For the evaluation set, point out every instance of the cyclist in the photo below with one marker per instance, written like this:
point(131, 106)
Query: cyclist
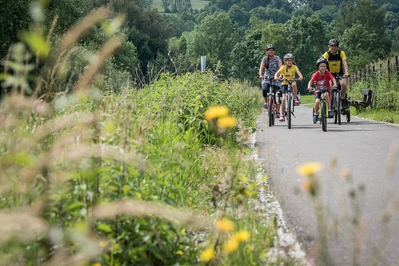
point(338, 65)
point(269, 65)
point(287, 71)
point(323, 80)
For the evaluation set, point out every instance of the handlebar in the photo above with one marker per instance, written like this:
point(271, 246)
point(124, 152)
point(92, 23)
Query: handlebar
point(325, 89)
point(339, 77)
point(290, 81)
point(266, 78)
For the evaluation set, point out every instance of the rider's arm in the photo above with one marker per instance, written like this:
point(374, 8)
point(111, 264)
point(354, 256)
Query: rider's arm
point(334, 81)
point(310, 85)
point(299, 74)
point(277, 75)
point(345, 63)
point(261, 68)
point(346, 69)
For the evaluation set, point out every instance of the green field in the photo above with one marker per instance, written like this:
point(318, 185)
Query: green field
point(197, 4)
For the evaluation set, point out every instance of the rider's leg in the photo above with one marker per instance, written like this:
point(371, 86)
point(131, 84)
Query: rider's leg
point(328, 100)
point(282, 106)
point(295, 92)
point(265, 90)
point(343, 88)
point(316, 109)
point(316, 105)
point(343, 93)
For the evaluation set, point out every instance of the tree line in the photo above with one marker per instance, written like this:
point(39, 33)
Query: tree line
point(232, 34)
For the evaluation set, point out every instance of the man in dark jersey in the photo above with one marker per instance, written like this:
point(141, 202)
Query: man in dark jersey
point(338, 65)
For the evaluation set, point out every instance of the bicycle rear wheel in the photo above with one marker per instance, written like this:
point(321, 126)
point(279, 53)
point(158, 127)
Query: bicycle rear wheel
point(270, 110)
point(289, 106)
point(338, 103)
point(323, 116)
point(348, 116)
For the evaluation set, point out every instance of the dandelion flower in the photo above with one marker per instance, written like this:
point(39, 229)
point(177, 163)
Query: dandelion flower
point(231, 245)
point(216, 112)
point(207, 254)
point(225, 225)
point(344, 173)
point(308, 169)
point(306, 185)
point(227, 121)
point(242, 235)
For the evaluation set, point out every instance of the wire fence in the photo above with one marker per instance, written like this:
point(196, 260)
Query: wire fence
point(388, 67)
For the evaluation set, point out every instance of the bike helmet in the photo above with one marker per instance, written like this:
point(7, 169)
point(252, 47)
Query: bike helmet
point(270, 46)
point(333, 42)
point(321, 60)
point(289, 56)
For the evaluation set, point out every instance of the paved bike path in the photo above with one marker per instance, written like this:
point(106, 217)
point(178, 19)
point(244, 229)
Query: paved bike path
point(361, 148)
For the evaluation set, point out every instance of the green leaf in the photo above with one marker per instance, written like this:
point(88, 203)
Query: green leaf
point(37, 43)
point(104, 227)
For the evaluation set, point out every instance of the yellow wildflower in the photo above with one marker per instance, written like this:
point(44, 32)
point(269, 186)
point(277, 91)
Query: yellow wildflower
point(308, 169)
point(96, 264)
point(231, 245)
point(306, 185)
point(215, 112)
point(207, 254)
point(242, 235)
point(344, 173)
point(227, 121)
point(225, 225)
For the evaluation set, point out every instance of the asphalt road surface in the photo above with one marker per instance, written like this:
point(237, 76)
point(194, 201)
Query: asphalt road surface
point(359, 186)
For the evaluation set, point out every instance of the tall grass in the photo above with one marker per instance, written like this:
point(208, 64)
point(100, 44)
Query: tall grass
point(135, 178)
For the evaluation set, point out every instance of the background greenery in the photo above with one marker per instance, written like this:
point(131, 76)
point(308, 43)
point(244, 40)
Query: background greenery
point(115, 120)
point(232, 34)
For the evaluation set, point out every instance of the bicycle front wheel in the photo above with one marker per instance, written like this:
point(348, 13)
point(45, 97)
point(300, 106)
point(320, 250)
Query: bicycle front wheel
point(289, 106)
point(323, 116)
point(270, 110)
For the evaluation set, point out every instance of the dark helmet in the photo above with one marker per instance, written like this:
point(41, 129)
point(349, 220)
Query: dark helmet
point(289, 56)
point(321, 60)
point(270, 46)
point(333, 42)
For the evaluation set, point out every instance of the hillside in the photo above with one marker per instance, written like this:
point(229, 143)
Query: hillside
point(197, 4)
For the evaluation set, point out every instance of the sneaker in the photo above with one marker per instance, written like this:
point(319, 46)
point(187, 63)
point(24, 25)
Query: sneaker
point(345, 104)
point(281, 119)
point(315, 118)
point(330, 114)
point(277, 115)
point(297, 102)
point(265, 106)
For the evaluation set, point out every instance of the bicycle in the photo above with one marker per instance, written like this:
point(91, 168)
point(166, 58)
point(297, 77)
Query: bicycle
point(336, 103)
point(289, 101)
point(322, 113)
point(273, 99)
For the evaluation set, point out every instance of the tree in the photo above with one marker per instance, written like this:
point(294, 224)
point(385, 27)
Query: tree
point(363, 12)
point(68, 12)
point(370, 17)
point(215, 38)
point(267, 13)
point(317, 4)
point(306, 38)
point(14, 17)
point(328, 13)
point(238, 15)
point(357, 42)
point(246, 56)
